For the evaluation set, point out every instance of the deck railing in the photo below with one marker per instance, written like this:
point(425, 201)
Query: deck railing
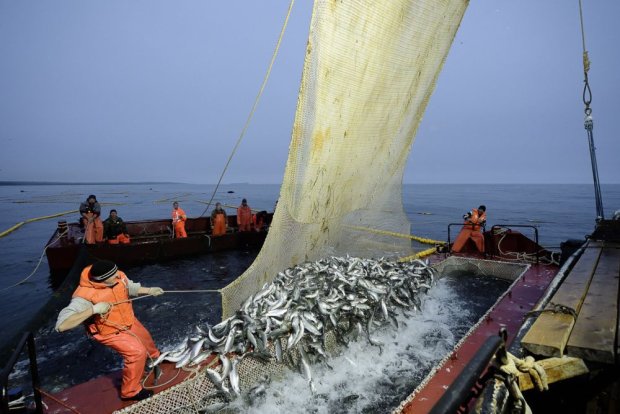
point(26, 341)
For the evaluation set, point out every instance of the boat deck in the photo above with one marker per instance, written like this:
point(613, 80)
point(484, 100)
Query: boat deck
point(581, 319)
point(80, 397)
point(508, 313)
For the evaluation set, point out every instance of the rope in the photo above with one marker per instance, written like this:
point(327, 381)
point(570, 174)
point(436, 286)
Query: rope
point(589, 123)
point(554, 308)
point(38, 263)
point(587, 93)
point(528, 365)
point(418, 255)
point(256, 100)
point(21, 223)
point(521, 256)
point(170, 291)
point(401, 235)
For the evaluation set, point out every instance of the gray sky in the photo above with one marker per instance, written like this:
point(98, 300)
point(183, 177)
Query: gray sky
point(153, 90)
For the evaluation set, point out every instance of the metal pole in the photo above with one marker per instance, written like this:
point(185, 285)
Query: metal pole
point(589, 126)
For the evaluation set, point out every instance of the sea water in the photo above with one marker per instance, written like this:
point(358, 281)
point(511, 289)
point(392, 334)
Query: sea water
point(558, 212)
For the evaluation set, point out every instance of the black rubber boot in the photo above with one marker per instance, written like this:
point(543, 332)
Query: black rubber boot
point(142, 395)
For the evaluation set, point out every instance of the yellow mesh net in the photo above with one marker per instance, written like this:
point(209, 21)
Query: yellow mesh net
point(369, 71)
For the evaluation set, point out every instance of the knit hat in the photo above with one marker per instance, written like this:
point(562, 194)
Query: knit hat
point(102, 270)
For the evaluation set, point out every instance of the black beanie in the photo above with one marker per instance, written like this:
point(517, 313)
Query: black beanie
point(102, 270)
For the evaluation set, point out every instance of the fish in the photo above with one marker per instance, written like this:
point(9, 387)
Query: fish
point(348, 296)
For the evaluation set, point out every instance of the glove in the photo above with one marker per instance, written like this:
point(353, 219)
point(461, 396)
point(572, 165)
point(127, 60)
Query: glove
point(156, 291)
point(101, 308)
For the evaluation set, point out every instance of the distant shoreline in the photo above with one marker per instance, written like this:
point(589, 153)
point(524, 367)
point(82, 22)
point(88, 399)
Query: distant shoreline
point(13, 183)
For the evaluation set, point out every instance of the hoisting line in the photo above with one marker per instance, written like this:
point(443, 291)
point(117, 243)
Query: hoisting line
point(414, 256)
point(256, 100)
point(170, 291)
point(401, 235)
point(589, 123)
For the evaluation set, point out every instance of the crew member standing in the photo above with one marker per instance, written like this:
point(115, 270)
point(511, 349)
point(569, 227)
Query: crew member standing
point(115, 230)
point(219, 221)
point(244, 216)
point(471, 230)
point(90, 210)
point(178, 221)
point(101, 301)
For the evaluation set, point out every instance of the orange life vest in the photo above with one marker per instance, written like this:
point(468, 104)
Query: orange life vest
point(244, 217)
point(120, 317)
point(477, 217)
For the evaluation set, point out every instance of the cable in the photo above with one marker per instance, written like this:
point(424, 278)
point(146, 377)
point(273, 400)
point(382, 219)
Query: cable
point(256, 100)
point(521, 256)
point(38, 264)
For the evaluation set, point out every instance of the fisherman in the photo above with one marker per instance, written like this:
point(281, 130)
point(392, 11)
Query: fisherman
point(244, 216)
point(219, 221)
point(101, 302)
point(178, 221)
point(93, 227)
point(471, 230)
point(258, 220)
point(115, 230)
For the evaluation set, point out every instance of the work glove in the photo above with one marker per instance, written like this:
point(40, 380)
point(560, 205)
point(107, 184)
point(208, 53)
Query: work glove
point(102, 308)
point(156, 291)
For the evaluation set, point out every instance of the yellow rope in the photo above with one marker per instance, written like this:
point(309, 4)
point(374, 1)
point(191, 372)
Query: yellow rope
point(21, 223)
point(256, 100)
point(418, 255)
point(401, 235)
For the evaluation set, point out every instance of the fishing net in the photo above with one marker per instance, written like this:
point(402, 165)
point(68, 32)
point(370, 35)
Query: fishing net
point(369, 71)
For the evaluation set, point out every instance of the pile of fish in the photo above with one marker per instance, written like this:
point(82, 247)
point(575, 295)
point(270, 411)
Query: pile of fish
point(347, 297)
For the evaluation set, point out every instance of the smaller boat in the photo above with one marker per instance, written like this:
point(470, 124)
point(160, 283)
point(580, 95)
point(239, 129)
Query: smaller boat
point(151, 241)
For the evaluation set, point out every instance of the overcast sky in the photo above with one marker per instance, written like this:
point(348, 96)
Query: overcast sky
point(153, 90)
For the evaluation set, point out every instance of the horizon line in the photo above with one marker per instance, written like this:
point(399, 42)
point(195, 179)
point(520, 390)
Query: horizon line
point(34, 182)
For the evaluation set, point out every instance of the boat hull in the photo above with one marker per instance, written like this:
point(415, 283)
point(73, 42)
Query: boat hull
point(151, 242)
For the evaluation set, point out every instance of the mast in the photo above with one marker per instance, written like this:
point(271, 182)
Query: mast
point(589, 123)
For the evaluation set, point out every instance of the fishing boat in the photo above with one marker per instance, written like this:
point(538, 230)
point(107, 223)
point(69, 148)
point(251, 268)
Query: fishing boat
point(340, 203)
point(152, 241)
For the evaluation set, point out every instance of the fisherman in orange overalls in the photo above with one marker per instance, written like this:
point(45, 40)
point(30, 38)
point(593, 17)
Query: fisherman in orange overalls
point(219, 221)
point(244, 216)
point(90, 210)
point(101, 301)
point(178, 221)
point(471, 230)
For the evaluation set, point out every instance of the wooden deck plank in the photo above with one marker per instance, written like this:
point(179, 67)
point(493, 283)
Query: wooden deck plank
point(594, 334)
point(550, 333)
point(557, 369)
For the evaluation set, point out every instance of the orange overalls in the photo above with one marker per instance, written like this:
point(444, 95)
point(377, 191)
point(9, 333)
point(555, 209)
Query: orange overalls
point(257, 221)
point(218, 222)
point(93, 228)
point(471, 231)
point(119, 329)
point(178, 221)
point(244, 218)
point(120, 239)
